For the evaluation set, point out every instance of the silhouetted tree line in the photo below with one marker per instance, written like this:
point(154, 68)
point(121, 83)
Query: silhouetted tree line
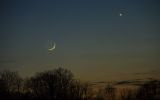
point(59, 84)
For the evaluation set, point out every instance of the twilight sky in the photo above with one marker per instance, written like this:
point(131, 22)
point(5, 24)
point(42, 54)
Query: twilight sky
point(92, 40)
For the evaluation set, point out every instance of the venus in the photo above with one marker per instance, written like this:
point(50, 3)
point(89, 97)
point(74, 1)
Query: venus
point(120, 14)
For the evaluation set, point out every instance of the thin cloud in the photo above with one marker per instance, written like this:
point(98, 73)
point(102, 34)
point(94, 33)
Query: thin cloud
point(100, 82)
point(137, 82)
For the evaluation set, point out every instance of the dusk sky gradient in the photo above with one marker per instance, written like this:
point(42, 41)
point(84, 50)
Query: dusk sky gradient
point(92, 40)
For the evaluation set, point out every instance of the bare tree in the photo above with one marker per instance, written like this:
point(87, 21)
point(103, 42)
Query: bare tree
point(12, 81)
point(52, 84)
point(79, 90)
point(110, 92)
point(127, 94)
point(149, 91)
point(3, 89)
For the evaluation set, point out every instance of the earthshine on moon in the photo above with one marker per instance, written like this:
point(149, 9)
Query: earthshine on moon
point(53, 47)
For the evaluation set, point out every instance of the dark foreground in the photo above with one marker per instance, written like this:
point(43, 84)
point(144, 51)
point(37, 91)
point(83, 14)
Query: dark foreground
point(59, 84)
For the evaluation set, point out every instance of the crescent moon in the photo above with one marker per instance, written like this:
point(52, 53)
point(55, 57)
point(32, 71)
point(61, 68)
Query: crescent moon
point(54, 46)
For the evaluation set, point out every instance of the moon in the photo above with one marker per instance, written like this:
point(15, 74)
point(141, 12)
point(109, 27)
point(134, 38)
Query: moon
point(53, 47)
